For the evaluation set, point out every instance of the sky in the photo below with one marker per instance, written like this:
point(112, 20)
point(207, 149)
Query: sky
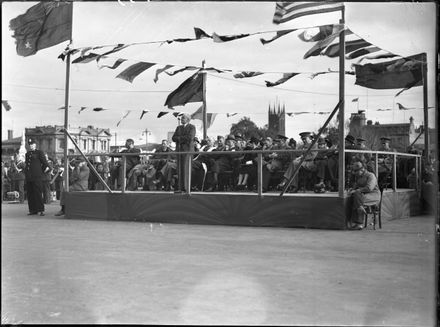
point(34, 85)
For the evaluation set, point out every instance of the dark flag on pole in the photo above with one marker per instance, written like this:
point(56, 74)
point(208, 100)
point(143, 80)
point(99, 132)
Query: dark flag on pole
point(6, 105)
point(42, 26)
point(191, 90)
point(400, 73)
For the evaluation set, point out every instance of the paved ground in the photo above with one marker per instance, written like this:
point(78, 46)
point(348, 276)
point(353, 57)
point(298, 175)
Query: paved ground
point(57, 271)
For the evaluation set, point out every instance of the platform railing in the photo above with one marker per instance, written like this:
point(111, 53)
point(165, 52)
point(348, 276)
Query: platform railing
point(189, 155)
point(394, 171)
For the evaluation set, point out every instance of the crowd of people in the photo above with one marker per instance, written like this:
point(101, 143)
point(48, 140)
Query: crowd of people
point(226, 163)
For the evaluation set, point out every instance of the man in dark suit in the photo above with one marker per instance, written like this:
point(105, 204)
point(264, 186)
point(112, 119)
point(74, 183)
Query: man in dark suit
point(35, 167)
point(184, 138)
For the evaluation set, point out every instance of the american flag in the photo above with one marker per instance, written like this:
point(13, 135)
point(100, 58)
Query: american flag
point(285, 11)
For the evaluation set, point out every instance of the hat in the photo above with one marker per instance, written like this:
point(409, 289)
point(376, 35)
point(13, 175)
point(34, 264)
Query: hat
point(383, 138)
point(305, 134)
point(360, 139)
point(321, 140)
point(350, 138)
point(204, 142)
point(230, 137)
point(357, 166)
point(129, 141)
point(220, 137)
point(254, 140)
point(282, 137)
point(238, 136)
point(196, 139)
point(268, 138)
point(328, 142)
point(32, 141)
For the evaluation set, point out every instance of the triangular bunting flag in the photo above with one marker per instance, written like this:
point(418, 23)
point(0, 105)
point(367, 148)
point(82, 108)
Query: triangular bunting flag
point(143, 113)
point(247, 74)
point(161, 70)
point(123, 117)
point(162, 113)
point(286, 77)
point(130, 73)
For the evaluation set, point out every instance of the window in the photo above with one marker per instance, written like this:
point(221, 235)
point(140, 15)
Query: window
point(61, 143)
point(93, 145)
point(85, 144)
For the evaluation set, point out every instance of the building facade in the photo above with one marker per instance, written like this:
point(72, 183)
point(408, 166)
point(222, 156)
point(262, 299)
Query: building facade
point(50, 139)
point(10, 146)
point(402, 135)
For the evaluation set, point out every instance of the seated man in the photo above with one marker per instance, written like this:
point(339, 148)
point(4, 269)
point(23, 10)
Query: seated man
point(131, 162)
point(308, 164)
point(154, 177)
point(322, 167)
point(275, 161)
point(78, 180)
point(365, 158)
point(168, 172)
point(140, 173)
point(219, 163)
point(365, 189)
point(248, 165)
point(94, 182)
point(385, 161)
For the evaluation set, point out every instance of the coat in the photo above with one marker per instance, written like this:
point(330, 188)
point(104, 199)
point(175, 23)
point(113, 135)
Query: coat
point(184, 137)
point(35, 165)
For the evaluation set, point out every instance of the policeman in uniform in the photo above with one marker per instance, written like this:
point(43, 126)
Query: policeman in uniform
point(35, 167)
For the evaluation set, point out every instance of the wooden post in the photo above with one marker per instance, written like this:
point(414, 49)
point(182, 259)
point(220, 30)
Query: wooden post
point(124, 168)
point(66, 123)
point(425, 105)
point(204, 109)
point(394, 172)
point(188, 158)
point(341, 171)
point(260, 174)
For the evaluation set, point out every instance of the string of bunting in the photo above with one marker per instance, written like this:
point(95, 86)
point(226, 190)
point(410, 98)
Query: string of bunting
point(325, 36)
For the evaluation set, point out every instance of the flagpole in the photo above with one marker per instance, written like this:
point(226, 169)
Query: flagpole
point(66, 121)
point(204, 111)
point(425, 104)
point(341, 172)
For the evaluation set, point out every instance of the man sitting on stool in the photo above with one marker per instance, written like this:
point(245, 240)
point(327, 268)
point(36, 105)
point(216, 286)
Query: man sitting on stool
point(365, 190)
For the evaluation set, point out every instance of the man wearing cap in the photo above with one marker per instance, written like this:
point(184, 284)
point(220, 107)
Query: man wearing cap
point(365, 158)
point(365, 189)
point(221, 162)
point(131, 162)
point(184, 138)
point(385, 161)
point(248, 165)
point(321, 162)
point(35, 167)
point(308, 163)
point(276, 161)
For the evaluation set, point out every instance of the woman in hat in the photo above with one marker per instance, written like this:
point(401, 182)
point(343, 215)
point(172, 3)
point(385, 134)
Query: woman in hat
point(36, 166)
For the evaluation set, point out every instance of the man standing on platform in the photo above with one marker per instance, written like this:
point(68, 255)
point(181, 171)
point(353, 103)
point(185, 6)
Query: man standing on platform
point(36, 166)
point(184, 138)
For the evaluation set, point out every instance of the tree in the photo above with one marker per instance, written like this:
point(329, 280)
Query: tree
point(247, 128)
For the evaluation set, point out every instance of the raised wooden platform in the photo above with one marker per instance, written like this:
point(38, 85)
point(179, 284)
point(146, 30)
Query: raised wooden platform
point(306, 210)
